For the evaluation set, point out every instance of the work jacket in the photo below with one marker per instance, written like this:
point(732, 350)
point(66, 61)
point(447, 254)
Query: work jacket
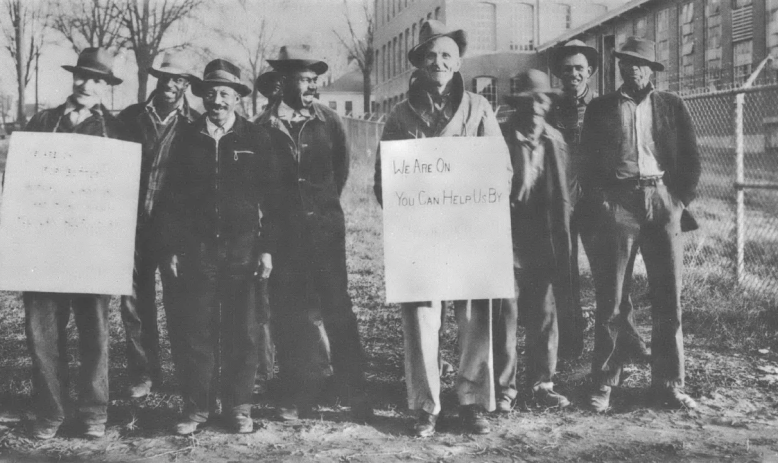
point(100, 123)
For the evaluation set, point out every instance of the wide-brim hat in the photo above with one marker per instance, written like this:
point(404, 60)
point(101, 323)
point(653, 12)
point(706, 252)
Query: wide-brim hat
point(220, 72)
point(172, 64)
point(571, 48)
point(530, 83)
point(96, 62)
point(431, 30)
point(266, 82)
point(641, 49)
point(292, 59)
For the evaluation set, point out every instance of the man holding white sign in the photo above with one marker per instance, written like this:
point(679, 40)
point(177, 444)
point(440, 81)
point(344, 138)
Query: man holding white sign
point(47, 313)
point(439, 106)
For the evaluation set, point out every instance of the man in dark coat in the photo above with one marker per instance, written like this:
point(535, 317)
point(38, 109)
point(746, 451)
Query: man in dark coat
point(224, 204)
point(154, 124)
point(312, 251)
point(540, 208)
point(47, 314)
point(642, 172)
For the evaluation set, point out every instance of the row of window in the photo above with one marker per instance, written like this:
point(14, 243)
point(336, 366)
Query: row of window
point(349, 106)
point(388, 9)
point(391, 60)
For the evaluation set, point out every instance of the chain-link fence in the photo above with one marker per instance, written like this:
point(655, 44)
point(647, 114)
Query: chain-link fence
point(737, 206)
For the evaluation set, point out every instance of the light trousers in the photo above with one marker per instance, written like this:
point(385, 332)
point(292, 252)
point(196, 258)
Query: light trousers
point(475, 376)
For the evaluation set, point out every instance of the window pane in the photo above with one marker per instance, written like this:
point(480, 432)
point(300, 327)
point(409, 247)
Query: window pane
point(523, 23)
point(486, 86)
point(485, 27)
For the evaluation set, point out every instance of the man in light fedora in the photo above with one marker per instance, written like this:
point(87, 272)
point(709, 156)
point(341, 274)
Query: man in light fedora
point(642, 172)
point(439, 106)
point(540, 207)
point(224, 197)
point(574, 63)
point(154, 124)
point(47, 314)
point(312, 250)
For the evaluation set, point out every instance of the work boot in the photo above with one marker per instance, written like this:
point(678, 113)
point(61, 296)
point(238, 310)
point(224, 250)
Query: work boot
point(425, 424)
point(474, 420)
point(242, 423)
point(599, 399)
point(94, 431)
point(187, 427)
point(43, 430)
point(504, 404)
point(672, 397)
point(549, 398)
point(139, 389)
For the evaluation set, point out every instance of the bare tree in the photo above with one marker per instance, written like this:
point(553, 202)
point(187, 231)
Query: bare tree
point(24, 34)
point(146, 24)
point(360, 46)
point(89, 23)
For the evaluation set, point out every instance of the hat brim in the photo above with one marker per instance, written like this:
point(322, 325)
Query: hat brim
point(591, 54)
point(199, 86)
point(292, 65)
point(158, 73)
point(108, 77)
point(652, 64)
point(416, 58)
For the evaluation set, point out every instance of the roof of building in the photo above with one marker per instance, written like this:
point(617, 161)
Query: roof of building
point(351, 82)
point(615, 13)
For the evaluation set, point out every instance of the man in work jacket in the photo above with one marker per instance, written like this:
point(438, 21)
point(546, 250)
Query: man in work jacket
point(47, 314)
point(312, 251)
point(154, 124)
point(439, 106)
point(224, 203)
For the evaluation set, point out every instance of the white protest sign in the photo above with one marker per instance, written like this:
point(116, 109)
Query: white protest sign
point(447, 228)
point(68, 214)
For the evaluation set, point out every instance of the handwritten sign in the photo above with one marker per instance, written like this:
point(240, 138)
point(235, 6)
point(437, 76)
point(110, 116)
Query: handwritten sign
point(68, 214)
point(447, 229)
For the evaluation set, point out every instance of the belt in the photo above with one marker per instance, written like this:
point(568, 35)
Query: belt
point(637, 183)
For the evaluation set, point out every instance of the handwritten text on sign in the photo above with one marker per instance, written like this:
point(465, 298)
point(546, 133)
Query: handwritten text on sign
point(447, 230)
point(68, 214)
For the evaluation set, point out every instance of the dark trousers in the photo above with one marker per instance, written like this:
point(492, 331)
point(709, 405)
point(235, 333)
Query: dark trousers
point(139, 314)
point(307, 268)
point(46, 320)
point(221, 315)
point(630, 218)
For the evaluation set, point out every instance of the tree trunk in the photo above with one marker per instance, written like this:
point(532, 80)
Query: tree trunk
point(367, 91)
point(254, 100)
point(143, 75)
point(21, 59)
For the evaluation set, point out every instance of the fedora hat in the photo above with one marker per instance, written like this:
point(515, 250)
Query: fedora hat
point(431, 30)
point(571, 48)
point(297, 59)
point(97, 62)
point(220, 72)
point(172, 64)
point(641, 49)
point(530, 83)
point(265, 83)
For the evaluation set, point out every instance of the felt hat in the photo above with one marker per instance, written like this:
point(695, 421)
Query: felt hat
point(97, 62)
point(172, 64)
point(571, 48)
point(530, 83)
point(265, 83)
point(292, 59)
point(220, 72)
point(431, 30)
point(641, 49)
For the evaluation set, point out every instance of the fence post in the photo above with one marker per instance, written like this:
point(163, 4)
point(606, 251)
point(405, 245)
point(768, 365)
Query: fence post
point(739, 180)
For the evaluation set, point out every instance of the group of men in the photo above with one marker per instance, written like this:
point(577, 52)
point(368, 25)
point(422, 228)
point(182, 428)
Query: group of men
point(231, 210)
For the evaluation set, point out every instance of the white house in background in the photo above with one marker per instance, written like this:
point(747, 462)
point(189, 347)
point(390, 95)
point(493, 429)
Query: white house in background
point(345, 95)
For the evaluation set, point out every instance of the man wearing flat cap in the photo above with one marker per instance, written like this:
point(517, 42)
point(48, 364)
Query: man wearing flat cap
point(154, 124)
point(439, 106)
point(642, 172)
point(540, 208)
point(224, 202)
point(311, 254)
point(47, 314)
point(574, 63)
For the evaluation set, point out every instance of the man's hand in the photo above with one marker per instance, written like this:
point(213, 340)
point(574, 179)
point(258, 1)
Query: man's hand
point(174, 265)
point(265, 266)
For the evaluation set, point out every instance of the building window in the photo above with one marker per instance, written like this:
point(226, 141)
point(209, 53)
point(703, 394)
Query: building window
point(383, 63)
point(349, 107)
point(333, 105)
point(437, 13)
point(514, 85)
point(486, 86)
point(686, 45)
point(558, 20)
point(400, 60)
point(712, 42)
point(485, 27)
point(742, 58)
point(740, 4)
point(742, 21)
point(406, 63)
point(663, 47)
point(772, 28)
point(641, 27)
point(413, 35)
point(523, 32)
point(376, 66)
point(393, 71)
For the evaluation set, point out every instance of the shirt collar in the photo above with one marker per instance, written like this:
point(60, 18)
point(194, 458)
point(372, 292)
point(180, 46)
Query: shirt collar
point(289, 114)
point(641, 95)
point(521, 138)
point(179, 109)
point(71, 106)
point(212, 127)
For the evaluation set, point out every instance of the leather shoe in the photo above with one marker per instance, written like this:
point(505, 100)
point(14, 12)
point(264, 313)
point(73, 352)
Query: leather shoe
point(94, 431)
point(504, 404)
point(600, 398)
point(672, 397)
point(474, 420)
point(287, 413)
point(242, 423)
point(550, 398)
point(187, 427)
point(43, 430)
point(140, 389)
point(425, 424)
